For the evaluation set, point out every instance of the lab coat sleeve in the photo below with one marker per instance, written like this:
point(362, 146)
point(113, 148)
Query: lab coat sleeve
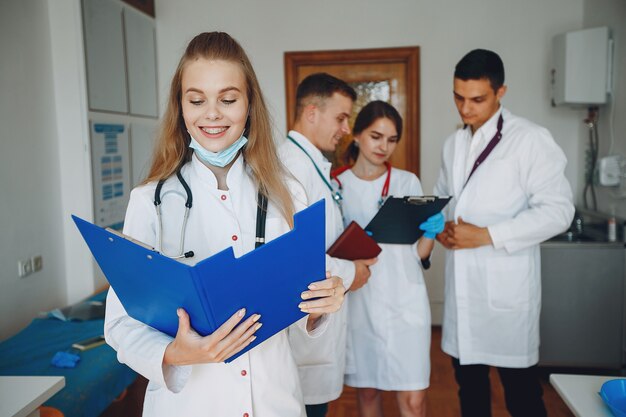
point(442, 186)
point(138, 345)
point(550, 209)
point(320, 326)
point(341, 268)
point(141, 347)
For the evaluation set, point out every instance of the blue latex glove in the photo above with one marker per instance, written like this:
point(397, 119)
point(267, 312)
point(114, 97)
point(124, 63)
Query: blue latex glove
point(433, 226)
point(65, 360)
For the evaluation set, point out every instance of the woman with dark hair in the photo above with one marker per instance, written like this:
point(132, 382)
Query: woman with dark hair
point(389, 318)
point(216, 138)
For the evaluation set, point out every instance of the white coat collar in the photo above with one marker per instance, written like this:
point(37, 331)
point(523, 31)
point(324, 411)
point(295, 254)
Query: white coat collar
point(489, 128)
point(205, 175)
point(317, 155)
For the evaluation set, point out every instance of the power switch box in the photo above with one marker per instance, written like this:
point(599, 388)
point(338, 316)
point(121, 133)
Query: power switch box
point(24, 268)
point(37, 262)
point(610, 170)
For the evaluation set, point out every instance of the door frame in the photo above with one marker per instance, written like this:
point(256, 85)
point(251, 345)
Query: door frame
point(409, 56)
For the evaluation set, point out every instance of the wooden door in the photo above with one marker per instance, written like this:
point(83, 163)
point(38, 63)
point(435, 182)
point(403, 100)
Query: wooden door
point(389, 74)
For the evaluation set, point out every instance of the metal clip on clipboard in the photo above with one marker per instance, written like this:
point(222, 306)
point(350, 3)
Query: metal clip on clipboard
point(421, 200)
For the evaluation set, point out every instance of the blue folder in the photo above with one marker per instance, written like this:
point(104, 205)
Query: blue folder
point(267, 280)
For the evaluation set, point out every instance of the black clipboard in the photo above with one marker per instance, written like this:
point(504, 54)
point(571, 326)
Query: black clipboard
point(399, 218)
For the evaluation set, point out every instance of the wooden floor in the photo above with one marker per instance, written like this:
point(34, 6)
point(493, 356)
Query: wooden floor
point(442, 394)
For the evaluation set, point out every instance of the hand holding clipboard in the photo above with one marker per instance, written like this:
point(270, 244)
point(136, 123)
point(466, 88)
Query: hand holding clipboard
point(398, 219)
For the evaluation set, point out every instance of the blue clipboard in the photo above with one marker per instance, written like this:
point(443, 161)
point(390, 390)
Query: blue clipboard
point(267, 280)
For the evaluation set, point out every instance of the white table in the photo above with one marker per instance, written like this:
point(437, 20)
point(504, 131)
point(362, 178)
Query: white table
point(580, 393)
point(21, 396)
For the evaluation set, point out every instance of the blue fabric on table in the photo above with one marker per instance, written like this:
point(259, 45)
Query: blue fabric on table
point(91, 386)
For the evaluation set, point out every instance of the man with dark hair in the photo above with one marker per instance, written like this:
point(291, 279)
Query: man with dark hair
point(323, 107)
point(506, 175)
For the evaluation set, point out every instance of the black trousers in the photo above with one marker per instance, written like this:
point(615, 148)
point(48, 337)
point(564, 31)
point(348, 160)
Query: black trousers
point(522, 390)
point(316, 410)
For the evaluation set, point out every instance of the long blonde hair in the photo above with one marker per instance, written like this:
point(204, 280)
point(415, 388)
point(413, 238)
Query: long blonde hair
point(172, 150)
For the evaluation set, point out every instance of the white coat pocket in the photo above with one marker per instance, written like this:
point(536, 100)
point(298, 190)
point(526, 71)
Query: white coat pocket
point(508, 282)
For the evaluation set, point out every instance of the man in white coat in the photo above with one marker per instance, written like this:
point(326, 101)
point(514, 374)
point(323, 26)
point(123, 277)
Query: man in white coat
point(323, 107)
point(506, 176)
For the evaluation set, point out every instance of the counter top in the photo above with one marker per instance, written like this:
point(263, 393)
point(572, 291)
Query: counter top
point(22, 395)
point(582, 244)
point(580, 393)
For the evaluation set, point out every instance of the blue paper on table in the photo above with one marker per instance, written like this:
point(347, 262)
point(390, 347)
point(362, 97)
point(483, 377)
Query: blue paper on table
point(613, 392)
point(267, 280)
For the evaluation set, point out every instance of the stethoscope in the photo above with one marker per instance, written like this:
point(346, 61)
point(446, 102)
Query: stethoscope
point(385, 191)
point(261, 215)
point(337, 197)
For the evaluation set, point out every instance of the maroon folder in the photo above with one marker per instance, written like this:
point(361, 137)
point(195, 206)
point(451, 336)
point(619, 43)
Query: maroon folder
point(354, 243)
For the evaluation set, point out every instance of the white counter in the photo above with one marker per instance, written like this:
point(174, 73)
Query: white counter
point(21, 396)
point(580, 393)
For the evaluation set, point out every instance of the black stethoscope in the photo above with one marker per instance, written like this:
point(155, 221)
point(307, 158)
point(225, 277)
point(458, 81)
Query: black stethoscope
point(261, 215)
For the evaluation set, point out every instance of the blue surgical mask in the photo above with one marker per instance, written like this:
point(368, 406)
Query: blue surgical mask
point(221, 158)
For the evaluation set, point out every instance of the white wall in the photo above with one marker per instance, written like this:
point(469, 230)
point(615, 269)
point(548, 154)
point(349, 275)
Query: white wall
point(44, 166)
point(30, 207)
point(520, 31)
point(611, 13)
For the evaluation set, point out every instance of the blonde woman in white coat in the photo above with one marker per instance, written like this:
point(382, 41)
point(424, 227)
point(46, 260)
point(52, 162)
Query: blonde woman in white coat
point(389, 317)
point(216, 135)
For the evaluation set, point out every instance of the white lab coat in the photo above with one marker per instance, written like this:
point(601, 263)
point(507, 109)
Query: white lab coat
point(321, 362)
point(389, 317)
point(269, 386)
point(493, 293)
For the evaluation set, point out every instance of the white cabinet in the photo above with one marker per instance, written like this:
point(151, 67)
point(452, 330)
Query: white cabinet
point(141, 63)
point(120, 52)
point(104, 50)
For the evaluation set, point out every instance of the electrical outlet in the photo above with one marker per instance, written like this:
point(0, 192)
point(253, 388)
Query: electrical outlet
point(37, 262)
point(24, 268)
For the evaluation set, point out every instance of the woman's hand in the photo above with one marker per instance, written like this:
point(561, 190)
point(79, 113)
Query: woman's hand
point(190, 348)
point(433, 226)
point(325, 297)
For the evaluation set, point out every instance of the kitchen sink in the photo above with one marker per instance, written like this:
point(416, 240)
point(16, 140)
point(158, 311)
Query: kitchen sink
point(575, 238)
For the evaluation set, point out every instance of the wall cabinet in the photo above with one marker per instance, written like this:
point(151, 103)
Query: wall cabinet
point(120, 51)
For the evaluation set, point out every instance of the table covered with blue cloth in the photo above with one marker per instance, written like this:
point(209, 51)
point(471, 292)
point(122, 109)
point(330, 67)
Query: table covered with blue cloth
point(91, 386)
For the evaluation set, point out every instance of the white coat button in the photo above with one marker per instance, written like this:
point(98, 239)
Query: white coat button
point(223, 197)
point(234, 237)
point(244, 373)
point(246, 415)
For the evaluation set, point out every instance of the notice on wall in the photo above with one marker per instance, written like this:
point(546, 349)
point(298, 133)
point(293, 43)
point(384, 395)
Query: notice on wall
point(110, 162)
